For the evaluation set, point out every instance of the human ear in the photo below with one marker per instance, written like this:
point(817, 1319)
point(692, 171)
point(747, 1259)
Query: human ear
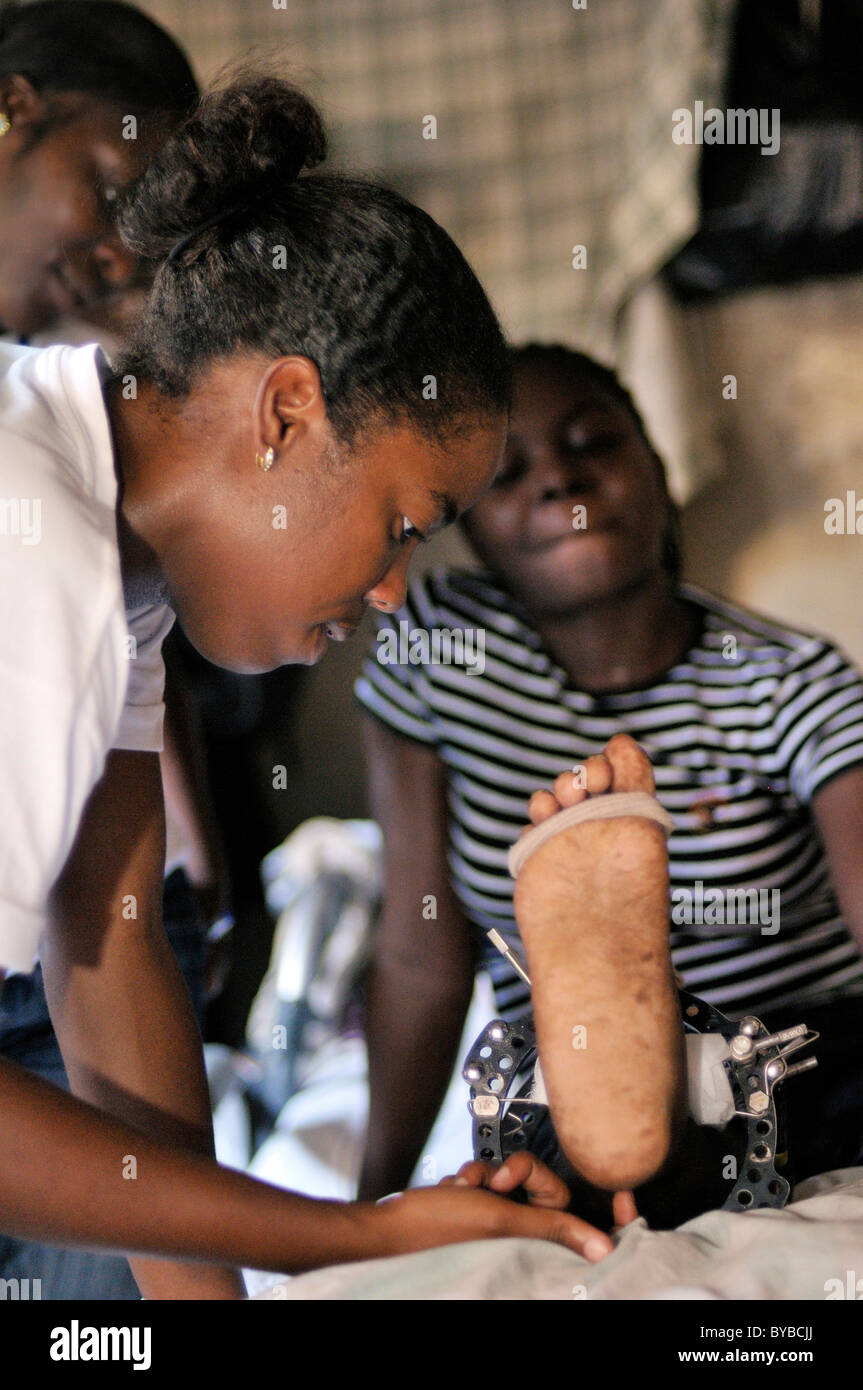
point(289, 405)
point(20, 102)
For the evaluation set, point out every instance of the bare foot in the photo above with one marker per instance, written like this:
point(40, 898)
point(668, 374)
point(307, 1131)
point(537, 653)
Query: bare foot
point(592, 909)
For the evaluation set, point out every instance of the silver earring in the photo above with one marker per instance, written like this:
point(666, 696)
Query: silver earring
point(5, 124)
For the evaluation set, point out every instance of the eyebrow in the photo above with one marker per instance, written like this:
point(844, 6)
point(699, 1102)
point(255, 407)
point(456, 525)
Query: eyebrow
point(448, 509)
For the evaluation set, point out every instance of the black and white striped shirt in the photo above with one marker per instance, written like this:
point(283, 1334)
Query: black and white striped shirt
point(741, 733)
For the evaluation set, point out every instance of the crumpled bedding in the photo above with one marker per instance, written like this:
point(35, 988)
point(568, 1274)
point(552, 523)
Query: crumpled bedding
point(812, 1250)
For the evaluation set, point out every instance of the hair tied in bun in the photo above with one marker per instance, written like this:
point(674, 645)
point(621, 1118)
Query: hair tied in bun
point(222, 216)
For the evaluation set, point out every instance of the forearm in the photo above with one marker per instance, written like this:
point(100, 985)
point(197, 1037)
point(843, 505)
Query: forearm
point(135, 1053)
point(67, 1177)
point(413, 1027)
point(118, 1004)
point(128, 1036)
point(838, 809)
point(421, 980)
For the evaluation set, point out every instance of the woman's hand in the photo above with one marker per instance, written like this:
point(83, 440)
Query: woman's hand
point(472, 1205)
point(543, 1187)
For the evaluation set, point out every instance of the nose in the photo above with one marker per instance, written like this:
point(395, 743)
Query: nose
point(117, 266)
point(390, 592)
point(101, 265)
point(558, 477)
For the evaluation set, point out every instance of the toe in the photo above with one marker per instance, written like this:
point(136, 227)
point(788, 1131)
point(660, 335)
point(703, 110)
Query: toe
point(589, 778)
point(571, 787)
point(541, 806)
point(631, 770)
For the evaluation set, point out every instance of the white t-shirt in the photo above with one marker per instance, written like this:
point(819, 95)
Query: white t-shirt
point(78, 674)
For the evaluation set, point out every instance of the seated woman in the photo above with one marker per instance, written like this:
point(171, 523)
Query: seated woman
point(755, 733)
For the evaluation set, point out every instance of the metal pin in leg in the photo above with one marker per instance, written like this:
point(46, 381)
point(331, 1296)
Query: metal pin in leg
point(498, 942)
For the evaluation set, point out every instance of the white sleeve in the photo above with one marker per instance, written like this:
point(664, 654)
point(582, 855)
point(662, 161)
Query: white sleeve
point(60, 691)
point(143, 714)
point(52, 748)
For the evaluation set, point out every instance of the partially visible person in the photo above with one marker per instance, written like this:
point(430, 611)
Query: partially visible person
point(754, 730)
point(269, 480)
point(88, 90)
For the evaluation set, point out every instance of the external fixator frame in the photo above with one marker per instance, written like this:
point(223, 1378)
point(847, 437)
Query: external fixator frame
point(499, 1070)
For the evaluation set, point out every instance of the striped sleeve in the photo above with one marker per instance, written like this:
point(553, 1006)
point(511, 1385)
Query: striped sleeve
point(389, 684)
point(820, 715)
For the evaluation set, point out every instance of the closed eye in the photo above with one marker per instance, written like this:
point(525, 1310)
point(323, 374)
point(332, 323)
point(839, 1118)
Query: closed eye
point(593, 443)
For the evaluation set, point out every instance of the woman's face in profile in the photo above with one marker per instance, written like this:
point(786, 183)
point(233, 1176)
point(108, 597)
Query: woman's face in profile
point(256, 586)
point(59, 252)
point(578, 509)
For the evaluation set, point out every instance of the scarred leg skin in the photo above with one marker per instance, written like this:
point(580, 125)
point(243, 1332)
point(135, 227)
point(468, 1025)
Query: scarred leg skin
point(592, 908)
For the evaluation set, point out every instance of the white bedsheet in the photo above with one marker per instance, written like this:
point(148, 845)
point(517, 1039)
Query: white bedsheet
point(808, 1251)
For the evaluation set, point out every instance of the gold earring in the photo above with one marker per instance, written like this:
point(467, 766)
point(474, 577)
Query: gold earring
point(266, 461)
point(5, 124)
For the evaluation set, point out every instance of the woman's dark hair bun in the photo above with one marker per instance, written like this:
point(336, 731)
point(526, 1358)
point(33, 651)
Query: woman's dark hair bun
point(246, 138)
point(250, 258)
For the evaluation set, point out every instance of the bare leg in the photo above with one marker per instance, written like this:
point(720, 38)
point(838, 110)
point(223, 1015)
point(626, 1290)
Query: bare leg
point(592, 909)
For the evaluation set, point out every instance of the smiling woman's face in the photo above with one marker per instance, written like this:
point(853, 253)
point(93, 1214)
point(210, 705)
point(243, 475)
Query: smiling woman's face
point(578, 511)
point(59, 174)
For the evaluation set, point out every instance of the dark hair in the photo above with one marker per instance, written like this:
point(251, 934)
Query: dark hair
point(555, 355)
point(344, 272)
point(109, 50)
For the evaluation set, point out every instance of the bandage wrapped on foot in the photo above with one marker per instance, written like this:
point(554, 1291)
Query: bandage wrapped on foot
point(607, 807)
